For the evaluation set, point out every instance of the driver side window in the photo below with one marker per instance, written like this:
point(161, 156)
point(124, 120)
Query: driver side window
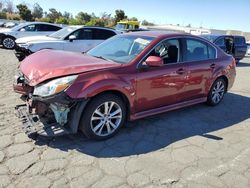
point(29, 28)
point(168, 50)
point(83, 34)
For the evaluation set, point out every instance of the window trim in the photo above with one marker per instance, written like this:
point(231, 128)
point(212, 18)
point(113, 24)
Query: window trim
point(203, 42)
point(140, 64)
point(181, 39)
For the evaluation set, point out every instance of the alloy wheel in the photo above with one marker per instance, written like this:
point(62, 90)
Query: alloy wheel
point(218, 92)
point(106, 118)
point(8, 43)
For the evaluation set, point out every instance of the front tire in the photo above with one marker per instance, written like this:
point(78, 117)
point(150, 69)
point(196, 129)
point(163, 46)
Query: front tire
point(8, 42)
point(216, 92)
point(103, 117)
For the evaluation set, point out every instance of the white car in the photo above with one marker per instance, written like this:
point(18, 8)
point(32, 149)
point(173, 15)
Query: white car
point(248, 49)
point(72, 38)
point(9, 35)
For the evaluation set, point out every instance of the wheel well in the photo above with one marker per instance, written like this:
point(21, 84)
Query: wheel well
point(225, 79)
point(120, 95)
point(8, 36)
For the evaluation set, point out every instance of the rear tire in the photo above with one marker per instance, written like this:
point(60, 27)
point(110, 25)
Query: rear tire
point(8, 42)
point(103, 117)
point(216, 92)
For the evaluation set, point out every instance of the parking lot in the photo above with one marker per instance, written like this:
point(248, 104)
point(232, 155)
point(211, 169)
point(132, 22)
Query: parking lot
point(198, 146)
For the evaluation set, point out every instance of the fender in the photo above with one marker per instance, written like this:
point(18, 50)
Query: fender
point(227, 72)
point(90, 85)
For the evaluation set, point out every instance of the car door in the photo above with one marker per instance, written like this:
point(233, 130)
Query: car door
point(200, 59)
point(46, 29)
point(28, 30)
point(82, 42)
point(220, 41)
point(161, 86)
point(240, 47)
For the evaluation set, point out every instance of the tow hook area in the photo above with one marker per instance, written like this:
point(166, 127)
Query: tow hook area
point(61, 113)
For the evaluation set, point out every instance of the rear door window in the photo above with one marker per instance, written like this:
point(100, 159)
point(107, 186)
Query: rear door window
point(198, 50)
point(83, 34)
point(46, 27)
point(102, 34)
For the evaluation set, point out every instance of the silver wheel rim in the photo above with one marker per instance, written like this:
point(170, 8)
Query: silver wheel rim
point(218, 92)
point(106, 118)
point(8, 43)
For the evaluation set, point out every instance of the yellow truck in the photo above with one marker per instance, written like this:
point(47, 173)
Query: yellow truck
point(127, 25)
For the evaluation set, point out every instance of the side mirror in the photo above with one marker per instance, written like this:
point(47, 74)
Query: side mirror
point(72, 37)
point(22, 30)
point(154, 61)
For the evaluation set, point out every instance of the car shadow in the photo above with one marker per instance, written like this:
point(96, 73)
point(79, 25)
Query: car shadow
point(154, 133)
point(243, 64)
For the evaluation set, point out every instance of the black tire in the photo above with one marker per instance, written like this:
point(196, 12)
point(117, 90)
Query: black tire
point(86, 125)
point(211, 95)
point(6, 42)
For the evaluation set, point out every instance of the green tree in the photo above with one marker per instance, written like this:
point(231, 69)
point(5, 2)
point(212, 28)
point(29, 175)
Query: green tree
point(43, 19)
point(24, 12)
point(133, 19)
point(96, 22)
point(3, 15)
point(62, 20)
point(53, 15)
point(37, 11)
point(75, 22)
point(67, 15)
point(146, 23)
point(83, 16)
point(120, 15)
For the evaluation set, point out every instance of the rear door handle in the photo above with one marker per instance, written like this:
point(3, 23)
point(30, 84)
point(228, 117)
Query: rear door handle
point(180, 71)
point(212, 66)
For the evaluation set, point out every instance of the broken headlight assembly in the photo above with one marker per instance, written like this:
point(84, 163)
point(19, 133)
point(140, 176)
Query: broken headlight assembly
point(54, 86)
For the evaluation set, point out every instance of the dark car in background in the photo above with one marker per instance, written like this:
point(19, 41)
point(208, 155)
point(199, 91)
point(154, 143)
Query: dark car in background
point(234, 45)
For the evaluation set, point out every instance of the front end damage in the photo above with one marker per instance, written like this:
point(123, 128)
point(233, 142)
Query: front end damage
point(48, 116)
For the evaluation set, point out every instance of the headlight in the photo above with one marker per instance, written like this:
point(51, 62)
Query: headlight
point(54, 86)
point(26, 46)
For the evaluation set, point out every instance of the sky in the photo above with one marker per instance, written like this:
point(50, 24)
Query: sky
point(211, 14)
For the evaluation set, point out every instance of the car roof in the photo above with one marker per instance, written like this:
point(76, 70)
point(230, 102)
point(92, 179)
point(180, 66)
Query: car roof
point(158, 34)
point(221, 35)
point(94, 27)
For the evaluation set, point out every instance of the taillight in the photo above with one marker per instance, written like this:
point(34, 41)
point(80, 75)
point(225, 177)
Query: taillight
point(234, 62)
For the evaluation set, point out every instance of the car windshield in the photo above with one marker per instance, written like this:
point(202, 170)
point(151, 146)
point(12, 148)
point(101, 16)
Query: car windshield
point(122, 48)
point(120, 26)
point(62, 33)
point(210, 38)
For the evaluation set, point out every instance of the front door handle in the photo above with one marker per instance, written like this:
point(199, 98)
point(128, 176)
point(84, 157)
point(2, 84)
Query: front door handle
point(212, 66)
point(180, 71)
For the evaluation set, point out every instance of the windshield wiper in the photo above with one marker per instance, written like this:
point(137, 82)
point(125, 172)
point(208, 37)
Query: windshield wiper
point(101, 57)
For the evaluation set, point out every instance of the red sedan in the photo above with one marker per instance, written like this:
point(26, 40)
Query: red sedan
point(127, 77)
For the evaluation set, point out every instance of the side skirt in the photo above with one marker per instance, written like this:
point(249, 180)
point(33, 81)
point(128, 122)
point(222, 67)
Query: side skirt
point(166, 108)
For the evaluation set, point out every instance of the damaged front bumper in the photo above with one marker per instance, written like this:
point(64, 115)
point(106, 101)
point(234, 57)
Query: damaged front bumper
point(21, 52)
point(51, 116)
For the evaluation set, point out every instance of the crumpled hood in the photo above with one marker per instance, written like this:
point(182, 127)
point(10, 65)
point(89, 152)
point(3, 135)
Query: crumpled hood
point(47, 64)
point(35, 39)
